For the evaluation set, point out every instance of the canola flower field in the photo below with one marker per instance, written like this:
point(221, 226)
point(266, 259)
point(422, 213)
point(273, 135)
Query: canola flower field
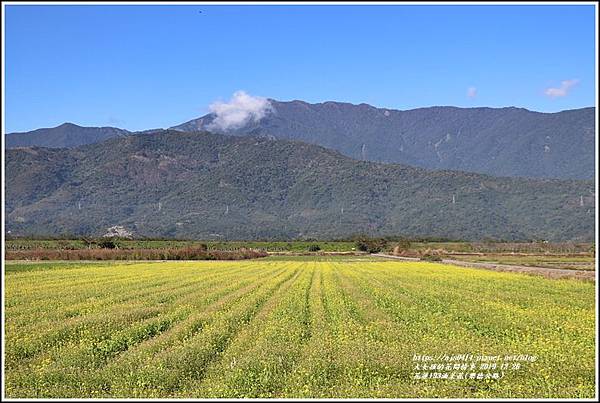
point(285, 327)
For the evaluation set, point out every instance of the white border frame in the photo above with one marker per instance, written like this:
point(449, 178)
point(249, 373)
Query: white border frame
point(222, 3)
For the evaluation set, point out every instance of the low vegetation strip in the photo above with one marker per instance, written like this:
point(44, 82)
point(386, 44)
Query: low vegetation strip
point(572, 262)
point(288, 327)
point(186, 253)
point(587, 274)
point(414, 245)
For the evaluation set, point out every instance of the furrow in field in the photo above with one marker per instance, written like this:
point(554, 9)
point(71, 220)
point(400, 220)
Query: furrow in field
point(188, 360)
point(273, 338)
point(366, 309)
point(194, 324)
point(306, 312)
point(494, 314)
point(352, 356)
point(80, 278)
point(102, 291)
point(342, 285)
point(120, 297)
point(120, 341)
point(291, 329)
point(78, 329)
point(315, 373)
point(443, 312)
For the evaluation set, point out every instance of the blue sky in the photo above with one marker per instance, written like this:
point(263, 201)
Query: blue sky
point(141, 67)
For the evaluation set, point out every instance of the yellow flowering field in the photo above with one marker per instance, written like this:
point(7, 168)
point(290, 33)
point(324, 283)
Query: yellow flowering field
point(294, 327)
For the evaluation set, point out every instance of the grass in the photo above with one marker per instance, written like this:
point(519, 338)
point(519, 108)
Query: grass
point(556, 262)
point(505, 247)
point(288, 327)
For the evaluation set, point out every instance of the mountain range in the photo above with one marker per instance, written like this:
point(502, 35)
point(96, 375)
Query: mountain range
point(65, 135)
point(212, 186)
point(496, 141)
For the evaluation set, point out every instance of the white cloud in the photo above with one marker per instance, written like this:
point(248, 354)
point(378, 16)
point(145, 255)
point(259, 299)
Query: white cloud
point(563, 90)
point(241, 109)
point(471, 92)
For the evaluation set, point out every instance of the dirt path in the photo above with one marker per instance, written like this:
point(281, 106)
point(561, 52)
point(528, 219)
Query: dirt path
point(547, 272)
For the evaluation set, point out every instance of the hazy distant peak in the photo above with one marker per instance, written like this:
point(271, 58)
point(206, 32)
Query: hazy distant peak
point(65, 135)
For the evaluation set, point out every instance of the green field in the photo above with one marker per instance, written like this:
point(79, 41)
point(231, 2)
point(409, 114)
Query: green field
point(289, 327)
point(303, 246)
